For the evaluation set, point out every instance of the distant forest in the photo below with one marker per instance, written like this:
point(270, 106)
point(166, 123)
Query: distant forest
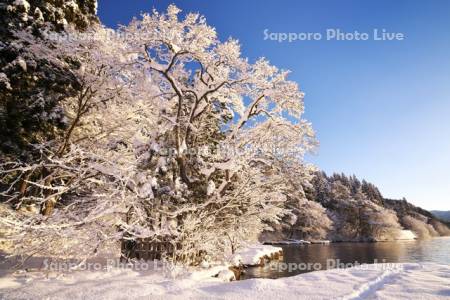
point(344, 208)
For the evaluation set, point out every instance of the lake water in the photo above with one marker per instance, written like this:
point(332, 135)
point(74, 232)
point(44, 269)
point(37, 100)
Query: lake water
point(299, 259)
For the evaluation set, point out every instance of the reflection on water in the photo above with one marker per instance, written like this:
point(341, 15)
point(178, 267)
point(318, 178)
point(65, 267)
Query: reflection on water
point(307, 258)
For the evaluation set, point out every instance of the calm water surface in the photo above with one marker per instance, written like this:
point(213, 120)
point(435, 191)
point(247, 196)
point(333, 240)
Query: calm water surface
point(322, 257)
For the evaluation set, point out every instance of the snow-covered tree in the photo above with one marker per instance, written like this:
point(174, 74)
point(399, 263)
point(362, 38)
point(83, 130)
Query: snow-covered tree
point(77, 172)
point(172, 136)
point(355, 214)
point(312, 222)
point(216, 100)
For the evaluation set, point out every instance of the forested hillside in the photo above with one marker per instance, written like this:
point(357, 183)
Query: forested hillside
point(443, 215)
point(354, 210)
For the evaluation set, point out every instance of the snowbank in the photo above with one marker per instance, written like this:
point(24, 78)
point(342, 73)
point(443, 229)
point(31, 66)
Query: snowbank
point(394, 281)
point(323, 242)
point(255, 255)
point(288, 242)
point(407, 235)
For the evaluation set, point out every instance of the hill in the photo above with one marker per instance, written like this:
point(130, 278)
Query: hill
point(344, 208)
point(442, 214)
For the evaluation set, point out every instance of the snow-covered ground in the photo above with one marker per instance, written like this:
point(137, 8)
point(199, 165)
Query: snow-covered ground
point(383, 281)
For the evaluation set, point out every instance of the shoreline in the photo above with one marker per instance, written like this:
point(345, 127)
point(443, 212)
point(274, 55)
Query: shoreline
point(305, 258)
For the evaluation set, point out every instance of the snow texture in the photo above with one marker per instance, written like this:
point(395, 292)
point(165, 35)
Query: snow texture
point(252, 255)
point(382, 281)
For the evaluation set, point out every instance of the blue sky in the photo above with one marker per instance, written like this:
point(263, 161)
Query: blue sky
point(381, 109)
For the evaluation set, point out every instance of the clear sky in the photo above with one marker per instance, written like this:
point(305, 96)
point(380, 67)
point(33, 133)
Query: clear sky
point(381, 109)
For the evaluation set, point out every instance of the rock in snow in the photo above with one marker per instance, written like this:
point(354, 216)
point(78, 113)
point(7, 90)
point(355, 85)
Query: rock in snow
point(252, 255)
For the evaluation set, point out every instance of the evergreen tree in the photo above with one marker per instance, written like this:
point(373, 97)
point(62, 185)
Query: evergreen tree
point(32, 87)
